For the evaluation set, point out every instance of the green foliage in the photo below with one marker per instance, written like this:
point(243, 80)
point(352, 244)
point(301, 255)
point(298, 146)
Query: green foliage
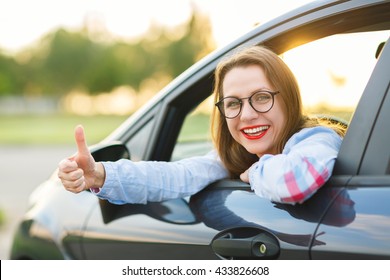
point(64, 61)
point(2, 217)
point(10, 77)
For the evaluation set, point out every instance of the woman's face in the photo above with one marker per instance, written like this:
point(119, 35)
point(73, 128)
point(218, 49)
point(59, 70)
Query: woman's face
point(256, 132)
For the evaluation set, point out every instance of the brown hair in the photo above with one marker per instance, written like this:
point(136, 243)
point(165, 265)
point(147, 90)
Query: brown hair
point(233, 155)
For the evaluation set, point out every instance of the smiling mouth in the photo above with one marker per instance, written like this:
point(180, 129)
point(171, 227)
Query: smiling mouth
point(254, 133)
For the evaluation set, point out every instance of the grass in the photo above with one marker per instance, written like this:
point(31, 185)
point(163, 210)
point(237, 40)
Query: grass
point(2, 217)
point(54, 129)
point(58, 128)
point(195, 128)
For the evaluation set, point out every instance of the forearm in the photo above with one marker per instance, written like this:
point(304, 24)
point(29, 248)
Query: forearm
point(304, 166)
point(289, 182)
point(139, 182)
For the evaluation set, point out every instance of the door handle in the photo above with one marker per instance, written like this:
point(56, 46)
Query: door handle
point(245, 243)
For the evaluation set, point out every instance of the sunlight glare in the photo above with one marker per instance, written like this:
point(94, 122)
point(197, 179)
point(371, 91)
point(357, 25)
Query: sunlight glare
point(337, 80)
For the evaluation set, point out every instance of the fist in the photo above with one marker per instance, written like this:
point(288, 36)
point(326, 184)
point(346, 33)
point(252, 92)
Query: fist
point(77, 173)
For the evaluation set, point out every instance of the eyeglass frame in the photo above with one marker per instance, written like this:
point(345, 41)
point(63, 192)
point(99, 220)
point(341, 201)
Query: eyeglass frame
point(240, 100)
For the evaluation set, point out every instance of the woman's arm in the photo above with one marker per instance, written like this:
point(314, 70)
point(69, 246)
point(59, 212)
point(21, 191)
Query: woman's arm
point(304, 166)
point(139, 182)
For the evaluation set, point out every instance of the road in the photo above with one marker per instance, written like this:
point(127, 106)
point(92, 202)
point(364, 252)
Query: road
point(23, 168)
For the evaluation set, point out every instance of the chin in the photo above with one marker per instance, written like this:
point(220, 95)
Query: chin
point(255, 149)
point(256, 152)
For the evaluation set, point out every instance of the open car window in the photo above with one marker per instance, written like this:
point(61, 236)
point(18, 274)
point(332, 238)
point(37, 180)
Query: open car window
point(195, 136)
point(332, 73)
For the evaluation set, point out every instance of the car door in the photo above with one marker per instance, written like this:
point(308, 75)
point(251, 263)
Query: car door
point(211, 223)
point(245, 226)
point(364, 163)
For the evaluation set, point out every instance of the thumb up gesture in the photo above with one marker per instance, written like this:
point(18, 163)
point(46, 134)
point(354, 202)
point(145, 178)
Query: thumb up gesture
point(80, 171)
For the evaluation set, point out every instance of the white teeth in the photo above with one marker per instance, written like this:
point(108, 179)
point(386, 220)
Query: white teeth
point(256, 130)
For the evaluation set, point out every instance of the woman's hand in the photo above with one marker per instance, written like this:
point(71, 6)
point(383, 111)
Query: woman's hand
point(245, 176)
point(80, 171)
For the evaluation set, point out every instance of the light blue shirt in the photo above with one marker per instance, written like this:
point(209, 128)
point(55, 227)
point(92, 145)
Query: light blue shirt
point(305, 164)
point(139, 182)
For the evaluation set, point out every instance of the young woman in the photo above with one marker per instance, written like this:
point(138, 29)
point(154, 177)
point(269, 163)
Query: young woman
point(260, 135)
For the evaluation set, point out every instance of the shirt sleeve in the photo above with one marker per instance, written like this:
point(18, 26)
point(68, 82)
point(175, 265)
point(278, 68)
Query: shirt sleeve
point(140, 182)
point(305, 164)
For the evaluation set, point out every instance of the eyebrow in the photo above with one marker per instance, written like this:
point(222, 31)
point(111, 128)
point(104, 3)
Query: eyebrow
point(251, 93)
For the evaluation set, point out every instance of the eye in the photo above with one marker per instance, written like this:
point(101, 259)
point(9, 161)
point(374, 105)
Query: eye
point(232, 103)
point(261, 97)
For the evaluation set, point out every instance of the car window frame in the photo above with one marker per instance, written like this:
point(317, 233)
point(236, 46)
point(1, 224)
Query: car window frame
point(352, 152)
point(174, 109)
point(376, 159)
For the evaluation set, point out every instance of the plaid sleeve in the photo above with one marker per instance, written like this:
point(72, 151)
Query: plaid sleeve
point(304, 166)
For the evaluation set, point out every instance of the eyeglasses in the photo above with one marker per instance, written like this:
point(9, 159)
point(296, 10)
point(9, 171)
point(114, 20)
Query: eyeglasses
point(261, 101)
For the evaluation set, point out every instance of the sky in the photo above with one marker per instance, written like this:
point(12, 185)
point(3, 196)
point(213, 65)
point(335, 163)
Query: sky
point(23, 22)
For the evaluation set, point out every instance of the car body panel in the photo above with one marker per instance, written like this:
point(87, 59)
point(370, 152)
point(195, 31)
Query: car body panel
point(367, 235)
point(214, 209)
point(47, 230)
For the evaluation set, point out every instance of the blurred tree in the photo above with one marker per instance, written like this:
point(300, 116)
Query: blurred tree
point(11, 80)
point(193, 45)
point(65, 61)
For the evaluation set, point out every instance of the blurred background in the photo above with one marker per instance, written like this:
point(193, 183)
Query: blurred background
point(95, 62)
point(65, 62)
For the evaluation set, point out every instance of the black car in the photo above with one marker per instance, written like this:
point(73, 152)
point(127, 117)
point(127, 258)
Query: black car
point(348, 218)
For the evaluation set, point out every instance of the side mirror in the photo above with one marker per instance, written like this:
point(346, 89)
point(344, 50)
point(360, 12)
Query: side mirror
point(110, 152)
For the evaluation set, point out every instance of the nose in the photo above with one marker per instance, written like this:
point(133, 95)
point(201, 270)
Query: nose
point(247, 112)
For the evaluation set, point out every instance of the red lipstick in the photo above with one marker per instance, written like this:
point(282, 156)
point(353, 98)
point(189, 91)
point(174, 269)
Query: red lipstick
point(255, 132)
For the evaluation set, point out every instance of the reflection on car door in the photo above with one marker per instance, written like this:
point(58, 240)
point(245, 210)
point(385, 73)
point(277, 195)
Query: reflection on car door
point(234, 210)
point(181, 229)
point(158, 230)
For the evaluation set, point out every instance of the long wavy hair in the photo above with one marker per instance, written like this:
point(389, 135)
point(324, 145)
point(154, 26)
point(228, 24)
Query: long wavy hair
point(233, 155)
